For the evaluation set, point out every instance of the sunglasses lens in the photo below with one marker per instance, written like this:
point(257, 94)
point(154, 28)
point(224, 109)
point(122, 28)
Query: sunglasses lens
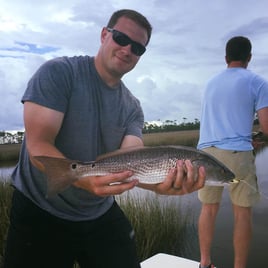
point(137, 49)
point(123, 40)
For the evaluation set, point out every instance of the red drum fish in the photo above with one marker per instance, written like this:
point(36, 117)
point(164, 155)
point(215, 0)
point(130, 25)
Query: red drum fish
point(148, 164)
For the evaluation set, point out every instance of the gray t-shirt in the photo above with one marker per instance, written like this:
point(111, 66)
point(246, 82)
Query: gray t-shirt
point(96, 118)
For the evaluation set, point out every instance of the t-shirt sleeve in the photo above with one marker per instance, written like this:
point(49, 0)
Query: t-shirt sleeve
point(135, 121)
point(51, 85)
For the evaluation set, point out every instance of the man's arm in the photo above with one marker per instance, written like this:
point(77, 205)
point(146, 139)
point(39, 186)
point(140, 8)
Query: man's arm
point(263, 120)
point(130, 141)
point(41, 127)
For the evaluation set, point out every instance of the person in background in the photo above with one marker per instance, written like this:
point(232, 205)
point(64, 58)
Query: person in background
point(79, 108)
point(229, 104)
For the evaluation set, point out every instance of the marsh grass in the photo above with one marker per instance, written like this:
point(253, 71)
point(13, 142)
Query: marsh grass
point(5, 202)
point(9, 152)
point(159, 223)
point(186, 138)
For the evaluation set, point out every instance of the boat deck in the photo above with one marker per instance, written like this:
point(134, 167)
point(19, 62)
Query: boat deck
point(162, 260)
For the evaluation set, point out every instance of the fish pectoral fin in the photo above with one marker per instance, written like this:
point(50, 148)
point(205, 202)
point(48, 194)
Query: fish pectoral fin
point(56, 185)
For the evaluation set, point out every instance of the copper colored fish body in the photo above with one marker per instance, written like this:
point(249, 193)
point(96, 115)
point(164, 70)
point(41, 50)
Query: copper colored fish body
point(148, 164)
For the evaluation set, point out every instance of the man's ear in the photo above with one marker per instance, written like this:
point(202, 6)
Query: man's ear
point(103, 34)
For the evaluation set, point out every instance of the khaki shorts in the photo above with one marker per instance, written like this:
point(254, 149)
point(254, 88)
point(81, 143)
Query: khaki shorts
point(242, 164)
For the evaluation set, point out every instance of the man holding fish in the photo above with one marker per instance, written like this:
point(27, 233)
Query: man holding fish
point(78, 108)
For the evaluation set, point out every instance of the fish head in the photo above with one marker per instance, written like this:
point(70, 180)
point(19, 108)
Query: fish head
point(217, 174)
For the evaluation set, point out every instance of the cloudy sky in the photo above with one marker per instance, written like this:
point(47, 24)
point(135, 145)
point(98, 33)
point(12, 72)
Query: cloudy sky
point(186, 49)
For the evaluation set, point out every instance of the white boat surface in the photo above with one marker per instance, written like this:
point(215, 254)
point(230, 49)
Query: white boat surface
point(162, 260)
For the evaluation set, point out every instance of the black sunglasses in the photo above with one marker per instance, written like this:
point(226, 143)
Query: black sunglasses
point(123, 40)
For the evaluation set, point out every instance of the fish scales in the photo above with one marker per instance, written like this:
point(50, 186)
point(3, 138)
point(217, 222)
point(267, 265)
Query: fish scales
point(148, 164)
point(155, 162)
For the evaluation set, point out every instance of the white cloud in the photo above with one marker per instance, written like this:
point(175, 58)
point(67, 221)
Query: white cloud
point(186, 49)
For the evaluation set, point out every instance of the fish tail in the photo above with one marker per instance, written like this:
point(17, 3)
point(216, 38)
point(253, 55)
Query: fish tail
point(58, 174)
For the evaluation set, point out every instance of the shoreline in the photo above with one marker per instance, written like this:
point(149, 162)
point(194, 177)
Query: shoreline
point(10, 152)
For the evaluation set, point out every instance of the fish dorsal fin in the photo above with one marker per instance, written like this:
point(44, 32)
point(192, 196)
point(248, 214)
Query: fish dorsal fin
point(120, 152)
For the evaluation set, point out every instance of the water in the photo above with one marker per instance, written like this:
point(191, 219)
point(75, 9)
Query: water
point(222, 246)
point(262, 172)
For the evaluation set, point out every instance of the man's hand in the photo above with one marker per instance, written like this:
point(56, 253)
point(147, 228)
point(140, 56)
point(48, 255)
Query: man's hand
point(181, 180)
point(111, 184)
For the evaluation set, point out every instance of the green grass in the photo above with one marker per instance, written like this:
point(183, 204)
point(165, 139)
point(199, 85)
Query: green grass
point(5, 202)
point(160, 224)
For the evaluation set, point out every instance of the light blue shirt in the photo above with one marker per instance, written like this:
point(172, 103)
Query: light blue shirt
point(229, 105)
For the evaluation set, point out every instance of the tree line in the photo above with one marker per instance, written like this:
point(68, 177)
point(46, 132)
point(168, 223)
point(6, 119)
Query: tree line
point(149, 127)
point(170, 125)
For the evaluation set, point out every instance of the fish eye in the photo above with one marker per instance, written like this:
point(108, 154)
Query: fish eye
point(74, 166)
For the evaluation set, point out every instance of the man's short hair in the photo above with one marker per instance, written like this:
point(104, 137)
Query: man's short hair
point(238, 48)
point(133, 15)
